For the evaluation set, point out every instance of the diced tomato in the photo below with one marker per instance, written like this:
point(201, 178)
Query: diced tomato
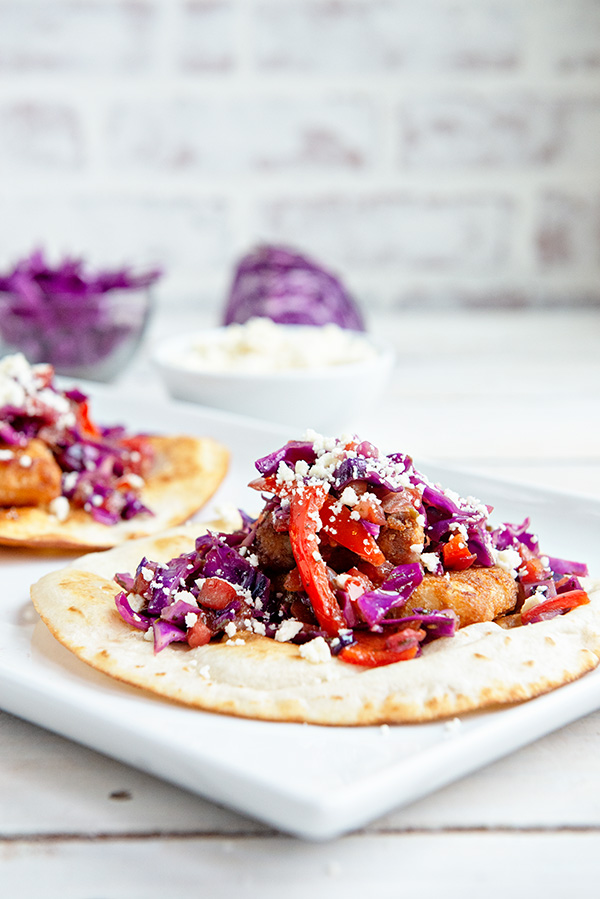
point(356, 583)
point(85, 424)
point(349, 532)
point(266, 484)
point(374, 650)
point(531, 571)
point(398, 640)
point(456, 554)
point(199, 634)
point(305, 506)
point(370, 509)
point(216, 593)
point(561, 603)
point(293, 581)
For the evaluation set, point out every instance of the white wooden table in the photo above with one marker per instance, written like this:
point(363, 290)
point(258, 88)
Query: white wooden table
point(514, 395)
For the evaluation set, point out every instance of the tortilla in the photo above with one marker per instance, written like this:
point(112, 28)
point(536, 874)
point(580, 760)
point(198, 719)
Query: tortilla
point(186, 473)
point(482, 666)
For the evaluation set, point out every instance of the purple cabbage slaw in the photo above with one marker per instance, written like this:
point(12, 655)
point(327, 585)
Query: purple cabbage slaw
point(65, 315)
point(444, 512)
point(281, 284)
point(95, 470)
point(174, 589)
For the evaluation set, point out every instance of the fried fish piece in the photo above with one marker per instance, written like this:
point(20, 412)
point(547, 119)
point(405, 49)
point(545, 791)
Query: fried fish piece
point(476, 594)
point(29, 475)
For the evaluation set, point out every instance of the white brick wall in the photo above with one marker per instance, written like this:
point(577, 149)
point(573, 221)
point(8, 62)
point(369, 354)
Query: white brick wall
point(436, 152)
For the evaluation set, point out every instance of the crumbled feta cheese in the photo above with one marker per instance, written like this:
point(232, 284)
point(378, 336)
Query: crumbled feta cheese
point(262, 345)
point(190, 619)
point(287, 630)
point(349, 496)
point(507, 559)
point(69, 480)
point(230, 629)
point(147, 573)
point(316, 651)
point(430, 561)
point(60, 508)
point(25, 461)
point(6, 455)
point(534, 599)
point(301, 468)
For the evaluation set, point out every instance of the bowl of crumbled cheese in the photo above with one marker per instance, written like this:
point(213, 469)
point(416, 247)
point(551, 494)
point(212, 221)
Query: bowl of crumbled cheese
point(299, 375)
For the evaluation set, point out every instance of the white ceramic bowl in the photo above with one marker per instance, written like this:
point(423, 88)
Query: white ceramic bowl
point(326, 399)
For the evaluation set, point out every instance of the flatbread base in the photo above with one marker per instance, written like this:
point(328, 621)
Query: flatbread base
point(186, 473)
point(483, 666)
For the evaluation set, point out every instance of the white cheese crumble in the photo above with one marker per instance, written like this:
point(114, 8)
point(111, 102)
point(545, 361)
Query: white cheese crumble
point(261, 345)
point(316, 651)
point(534, 599)
point(430, 561)
point(190, 619)
point(25, 461)
point(287, 630)
point(6, 455)
point(230, 629)
point(60, 508)
point(507, 559)
point(349, 496)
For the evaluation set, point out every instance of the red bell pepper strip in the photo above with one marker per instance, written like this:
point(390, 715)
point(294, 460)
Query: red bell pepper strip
point(373, 650)
point(456, 554)
point(305, 506)
point(563, 602)
point(349, 532)
point(86, 425)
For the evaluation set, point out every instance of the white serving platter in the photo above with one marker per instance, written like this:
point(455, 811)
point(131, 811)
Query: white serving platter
point(313, 782)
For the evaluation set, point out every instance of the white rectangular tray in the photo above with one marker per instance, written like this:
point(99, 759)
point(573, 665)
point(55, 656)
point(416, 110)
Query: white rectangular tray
point(314, 782)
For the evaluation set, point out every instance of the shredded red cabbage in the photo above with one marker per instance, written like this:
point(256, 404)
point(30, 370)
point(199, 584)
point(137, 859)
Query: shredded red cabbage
point(563, 566)
point(393, 593)
point(371, 593)
point(65, 315)
point(290, 453)
point(281, 284)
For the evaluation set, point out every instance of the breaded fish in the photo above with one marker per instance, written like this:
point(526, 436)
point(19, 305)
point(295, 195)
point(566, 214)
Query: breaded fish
point(476, 594)
point(29, 476)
